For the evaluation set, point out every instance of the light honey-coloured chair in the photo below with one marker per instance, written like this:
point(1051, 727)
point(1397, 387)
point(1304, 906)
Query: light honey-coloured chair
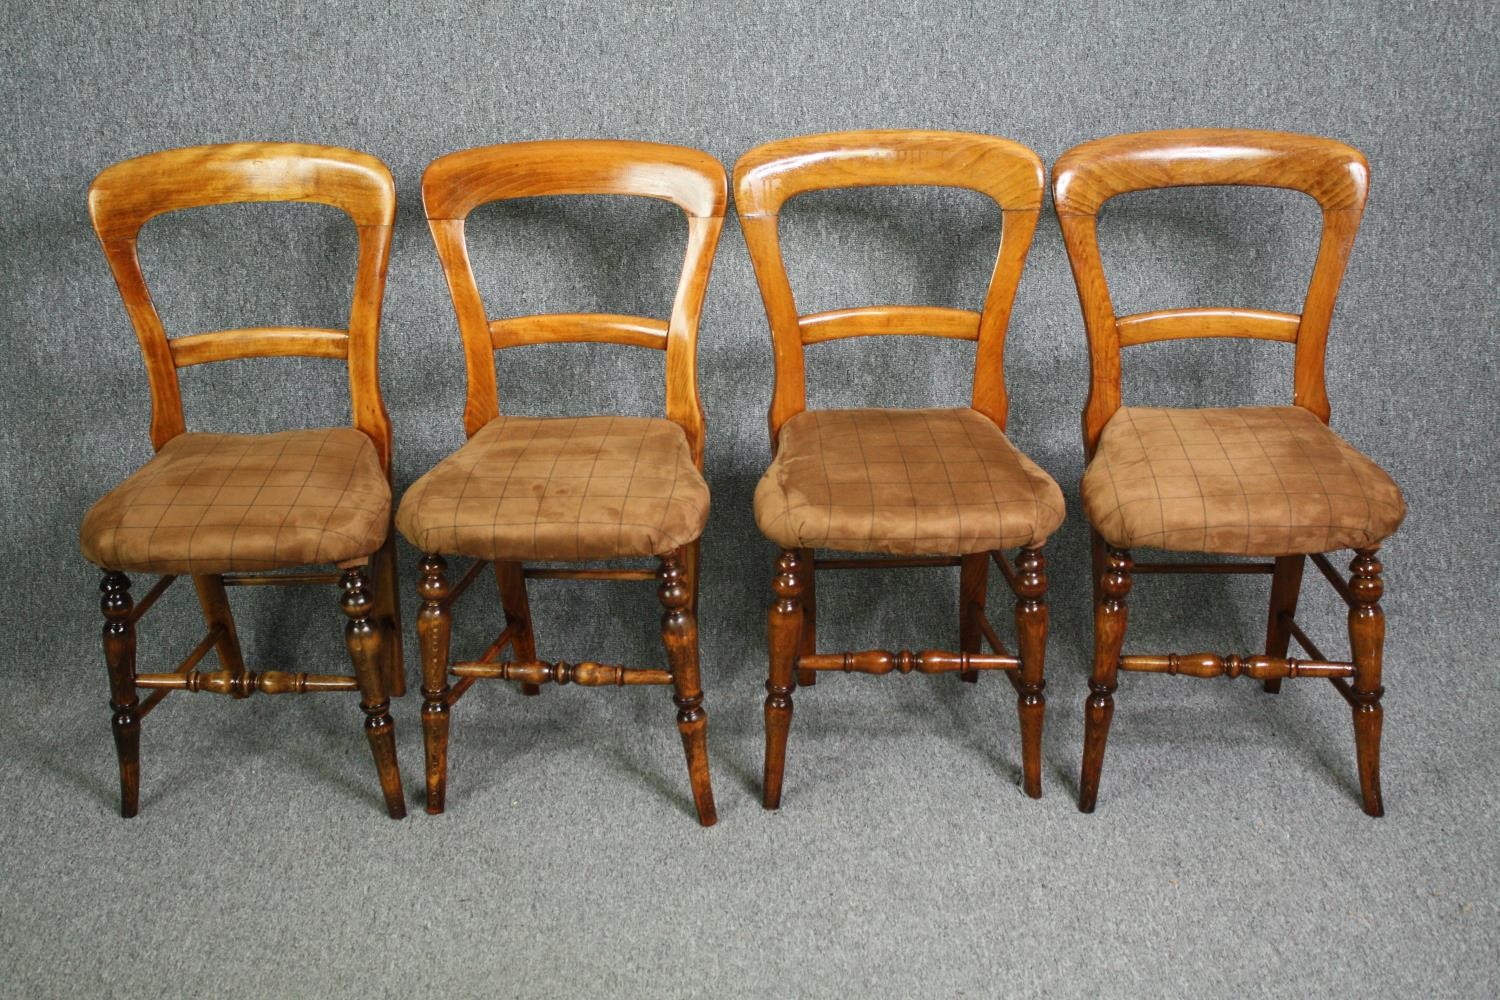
point(1259, 482)
point(567, 489)
point(229, 510)
point(930, 487)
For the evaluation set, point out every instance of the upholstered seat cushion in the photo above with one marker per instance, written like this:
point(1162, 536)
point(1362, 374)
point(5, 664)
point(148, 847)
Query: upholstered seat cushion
point(903, 482)
point(561, 488)
point(220, 503)
point(1255, 481)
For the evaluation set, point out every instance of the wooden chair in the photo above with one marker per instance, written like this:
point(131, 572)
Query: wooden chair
point(933, 487)
point(230, 509)
point(567, 489)
point(1250, 481)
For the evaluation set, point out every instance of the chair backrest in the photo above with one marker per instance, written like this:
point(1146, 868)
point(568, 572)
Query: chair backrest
point(127, 195)
point(456, 184)
point(764, 178)
point(1087, 176)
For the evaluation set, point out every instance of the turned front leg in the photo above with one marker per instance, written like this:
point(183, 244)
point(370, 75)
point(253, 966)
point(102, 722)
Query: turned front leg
point(1367, 643)
point(784, 635)
point(433, 630)
point(119, 658)
point(1031, 632)
point(1109, 636)
point(363, 638)
point(679, 634)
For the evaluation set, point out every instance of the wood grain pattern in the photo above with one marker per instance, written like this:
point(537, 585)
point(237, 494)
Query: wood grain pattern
point(1191, 324)
point(121, 200)
point(127, 195)
point(1110, 617)
point(1367, 642)
point(453, 186)
point(1337, 177)
point(1088, 175)
point(764, 178)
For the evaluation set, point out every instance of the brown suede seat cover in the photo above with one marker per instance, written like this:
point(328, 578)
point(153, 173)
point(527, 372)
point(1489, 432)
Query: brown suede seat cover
point(223, 503)
point(560, 488)
point(903, 482)
point(1253, 481)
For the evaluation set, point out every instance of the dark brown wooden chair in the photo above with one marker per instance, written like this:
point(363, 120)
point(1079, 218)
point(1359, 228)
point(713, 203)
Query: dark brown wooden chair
point(1248, 481)
point(231, 509)
point(930, 487)
point(573, 489)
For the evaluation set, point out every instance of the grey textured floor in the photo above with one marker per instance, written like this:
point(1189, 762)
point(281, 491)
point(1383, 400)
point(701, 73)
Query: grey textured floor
point(1228, 856)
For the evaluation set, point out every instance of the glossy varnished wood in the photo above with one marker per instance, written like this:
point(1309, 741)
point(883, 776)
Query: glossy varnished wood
point(453, 186)
point(119, 657)
point(125, 197)
point(784, 638)
point(767, 177)
point(1087, 176)
point(1367, 642)
point(456, 184)
point(1110, 616)
point(362, 636)
point(679, 634)
point(1337, 177)
point(1030, 585)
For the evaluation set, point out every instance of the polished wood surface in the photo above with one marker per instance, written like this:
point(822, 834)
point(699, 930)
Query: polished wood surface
point(1337, 176)
point(121, 200)
point(765, 178)
point(127, 195)
point(1088, 175)
point(456, 184)
point(453, 186)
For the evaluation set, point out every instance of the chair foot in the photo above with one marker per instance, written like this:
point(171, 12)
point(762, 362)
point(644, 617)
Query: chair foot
point(1098, 710)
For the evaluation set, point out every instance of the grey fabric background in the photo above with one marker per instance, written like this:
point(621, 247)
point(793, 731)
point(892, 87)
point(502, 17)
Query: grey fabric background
point(905, 861)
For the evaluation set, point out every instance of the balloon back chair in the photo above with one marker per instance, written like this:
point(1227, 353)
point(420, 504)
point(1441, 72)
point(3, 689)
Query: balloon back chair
point(1261, 482)
point(567, 489)
point(900, 488)
point(231, 510)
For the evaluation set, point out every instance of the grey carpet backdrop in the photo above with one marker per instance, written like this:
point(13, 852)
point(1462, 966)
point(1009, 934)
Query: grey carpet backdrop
point(1228, 856)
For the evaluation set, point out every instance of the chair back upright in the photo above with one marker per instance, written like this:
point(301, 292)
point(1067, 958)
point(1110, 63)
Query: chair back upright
point(456, 184)
point(766, 177)
point(127, 195)
point(1088, 175)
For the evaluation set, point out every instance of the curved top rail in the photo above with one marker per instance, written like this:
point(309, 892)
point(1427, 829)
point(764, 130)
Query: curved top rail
point(1088, 175)
point(768, 175)
point(456, 184)
point(128, 194)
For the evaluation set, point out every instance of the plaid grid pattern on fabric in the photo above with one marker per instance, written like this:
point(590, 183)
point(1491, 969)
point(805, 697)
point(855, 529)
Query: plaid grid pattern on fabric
point(222, 503)
point(560, 488)
point(1255, 481)
point(903, 482)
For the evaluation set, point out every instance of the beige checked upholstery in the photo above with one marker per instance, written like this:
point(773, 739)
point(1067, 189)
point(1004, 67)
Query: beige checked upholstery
point(561, 488)
point(222, 503)
point(1254, 481)
point(903, 482)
